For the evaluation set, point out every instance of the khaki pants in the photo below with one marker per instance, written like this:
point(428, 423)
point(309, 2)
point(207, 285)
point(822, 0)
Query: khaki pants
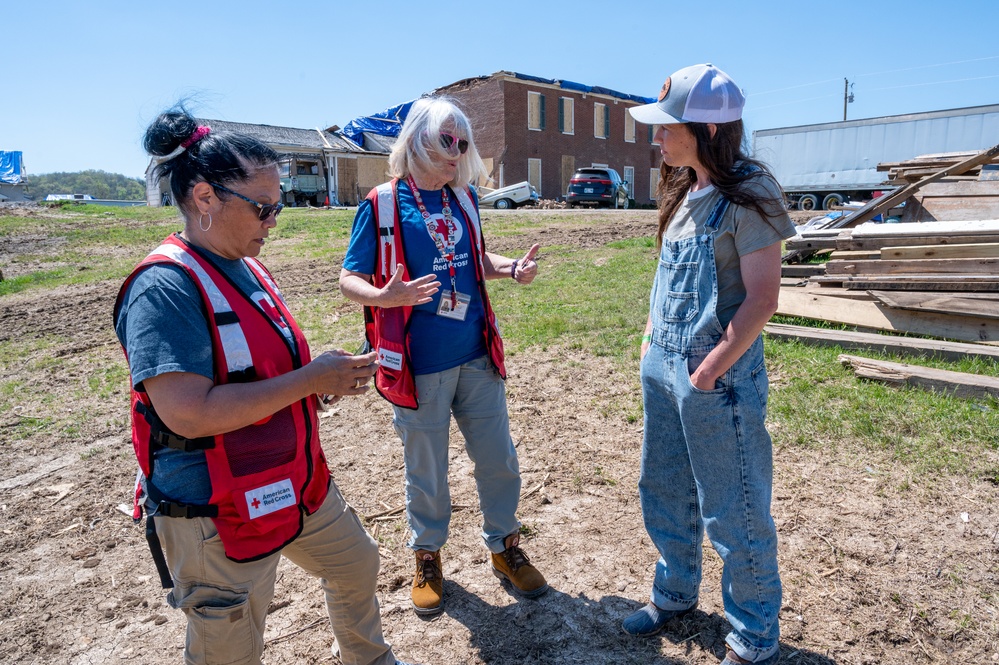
point(226, 602)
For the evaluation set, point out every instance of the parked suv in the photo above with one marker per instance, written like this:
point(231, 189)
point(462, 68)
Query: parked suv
point(599, 185)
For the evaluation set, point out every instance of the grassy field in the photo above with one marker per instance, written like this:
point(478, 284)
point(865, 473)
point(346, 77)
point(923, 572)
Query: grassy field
point(587, 298)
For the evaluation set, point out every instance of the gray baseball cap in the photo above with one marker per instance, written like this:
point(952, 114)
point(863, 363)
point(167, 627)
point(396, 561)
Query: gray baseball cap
point(700, 93)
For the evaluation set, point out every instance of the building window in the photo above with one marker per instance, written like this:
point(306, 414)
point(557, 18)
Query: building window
point(652, 134)
point(601, 121)
point(534, 173)
point(566, 119)
point(653, 183)
point(535, 111)
point(629, 177)
point(629, 128)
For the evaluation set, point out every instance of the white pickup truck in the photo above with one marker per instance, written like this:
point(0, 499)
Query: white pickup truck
point(511, 196)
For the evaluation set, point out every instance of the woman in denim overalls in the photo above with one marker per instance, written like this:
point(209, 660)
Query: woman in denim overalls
point(707, 461)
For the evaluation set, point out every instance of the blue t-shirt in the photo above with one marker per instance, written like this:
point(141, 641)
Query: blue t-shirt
point(163, 328)
point(436, 343)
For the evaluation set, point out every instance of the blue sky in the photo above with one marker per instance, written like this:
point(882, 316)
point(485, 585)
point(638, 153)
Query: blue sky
point(83, 79)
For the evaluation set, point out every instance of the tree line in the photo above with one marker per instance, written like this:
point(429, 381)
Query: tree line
point(99, 184)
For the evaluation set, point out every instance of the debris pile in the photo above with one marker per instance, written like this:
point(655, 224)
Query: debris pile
point(934, 273)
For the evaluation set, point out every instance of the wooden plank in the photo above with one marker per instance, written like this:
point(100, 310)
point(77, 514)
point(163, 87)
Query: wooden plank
point(827, 289)
point(967, 251)
point(862, 255)
point(914, 267)
point(958, 384)
point(903, 346)
point(969, 227)
point(799, 302)
point(968, 295)
point(914, 283)
point(803, 270)
point(904, 279)
point(855, 244)
point(799, 243)
point(818, 233)
point(930, 302)
point(947, 188)
point(964, 287)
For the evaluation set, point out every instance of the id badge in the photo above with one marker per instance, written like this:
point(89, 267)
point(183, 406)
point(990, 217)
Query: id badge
point(459, 312)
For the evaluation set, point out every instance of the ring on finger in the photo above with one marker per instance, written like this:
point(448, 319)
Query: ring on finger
point(358, 383)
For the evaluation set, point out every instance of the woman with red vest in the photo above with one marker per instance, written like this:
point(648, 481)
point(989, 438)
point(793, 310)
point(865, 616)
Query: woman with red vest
point(439, 349)
point(224, 399)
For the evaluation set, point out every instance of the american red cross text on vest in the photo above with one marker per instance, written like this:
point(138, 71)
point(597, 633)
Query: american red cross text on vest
point(387, 329)
point(261, 499)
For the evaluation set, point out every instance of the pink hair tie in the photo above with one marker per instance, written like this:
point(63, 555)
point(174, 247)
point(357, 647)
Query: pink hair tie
point(198, 134)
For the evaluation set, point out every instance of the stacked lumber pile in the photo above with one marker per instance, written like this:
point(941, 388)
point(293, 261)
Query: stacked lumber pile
point(934, 274)
point(913, 170)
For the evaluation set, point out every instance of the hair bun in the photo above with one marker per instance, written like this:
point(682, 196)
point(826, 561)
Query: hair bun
point(168, 131)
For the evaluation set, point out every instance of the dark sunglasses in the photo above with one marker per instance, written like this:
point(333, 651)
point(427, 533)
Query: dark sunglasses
point(448, 140)
point(265, 210)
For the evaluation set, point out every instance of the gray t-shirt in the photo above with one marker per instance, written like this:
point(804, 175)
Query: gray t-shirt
point(741, 231)
point(163, 328)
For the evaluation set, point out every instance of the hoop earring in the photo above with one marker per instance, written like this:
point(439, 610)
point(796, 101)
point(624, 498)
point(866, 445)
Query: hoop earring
point(201, 221)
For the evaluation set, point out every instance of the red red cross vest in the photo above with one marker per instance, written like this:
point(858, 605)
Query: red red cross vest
point(265, 477)
point(387, 329)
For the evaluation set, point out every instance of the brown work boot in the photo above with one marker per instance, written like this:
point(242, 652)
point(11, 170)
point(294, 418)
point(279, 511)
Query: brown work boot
point(513, 565)
point(428, 583)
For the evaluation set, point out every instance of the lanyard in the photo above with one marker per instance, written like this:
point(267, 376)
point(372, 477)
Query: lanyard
point(445, 244)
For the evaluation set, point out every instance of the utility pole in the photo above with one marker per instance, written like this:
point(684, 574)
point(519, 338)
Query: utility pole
point(847, 95)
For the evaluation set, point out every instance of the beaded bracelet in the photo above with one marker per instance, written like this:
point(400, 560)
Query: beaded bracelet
point(646, 338)
point(513, 270)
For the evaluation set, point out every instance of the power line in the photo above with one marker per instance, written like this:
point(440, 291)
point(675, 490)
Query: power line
point(890, 71)
point(942, 64)
point(794, 87)
point(796, 101)
point(916, 85)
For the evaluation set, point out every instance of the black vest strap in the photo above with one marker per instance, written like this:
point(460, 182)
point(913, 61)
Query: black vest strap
point(156, 550)
point(172, 509)
point(161, 436)
point(226, 318)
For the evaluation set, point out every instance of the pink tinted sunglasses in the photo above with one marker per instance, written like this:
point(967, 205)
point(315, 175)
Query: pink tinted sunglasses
point(448, 141)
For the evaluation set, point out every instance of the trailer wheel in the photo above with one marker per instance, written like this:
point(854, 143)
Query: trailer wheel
point(832, 200)
point(503, 204)
point(808, 202)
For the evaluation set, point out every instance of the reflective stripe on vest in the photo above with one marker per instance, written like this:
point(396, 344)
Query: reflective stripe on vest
point(264, 476)
point(386, 328)
point(237, 351)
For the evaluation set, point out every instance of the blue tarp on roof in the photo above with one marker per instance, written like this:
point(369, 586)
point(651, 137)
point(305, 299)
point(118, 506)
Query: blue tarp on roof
point(10, 166)
point(387, 123)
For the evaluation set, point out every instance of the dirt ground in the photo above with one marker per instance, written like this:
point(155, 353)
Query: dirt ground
point(871, 575)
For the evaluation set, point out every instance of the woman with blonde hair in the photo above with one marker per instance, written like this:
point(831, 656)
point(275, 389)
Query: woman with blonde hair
point(439, 348)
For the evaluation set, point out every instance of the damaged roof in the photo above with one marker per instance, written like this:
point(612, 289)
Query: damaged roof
point(291, 136)
point(378, 131)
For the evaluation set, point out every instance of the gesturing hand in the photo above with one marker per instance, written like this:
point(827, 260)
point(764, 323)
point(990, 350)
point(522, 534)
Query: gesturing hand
point(526, 269)
point(397, 293)
point(339, 373)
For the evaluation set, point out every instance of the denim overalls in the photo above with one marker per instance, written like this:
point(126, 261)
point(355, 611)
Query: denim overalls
point(707, 459)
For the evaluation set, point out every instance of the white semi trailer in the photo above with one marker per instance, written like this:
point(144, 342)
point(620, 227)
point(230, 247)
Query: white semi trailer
point(823, 165)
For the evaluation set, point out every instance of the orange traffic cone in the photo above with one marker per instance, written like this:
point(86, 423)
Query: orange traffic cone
point(327, 202)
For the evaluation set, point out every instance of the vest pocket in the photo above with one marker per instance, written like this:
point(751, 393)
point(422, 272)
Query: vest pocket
point(257, 448)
